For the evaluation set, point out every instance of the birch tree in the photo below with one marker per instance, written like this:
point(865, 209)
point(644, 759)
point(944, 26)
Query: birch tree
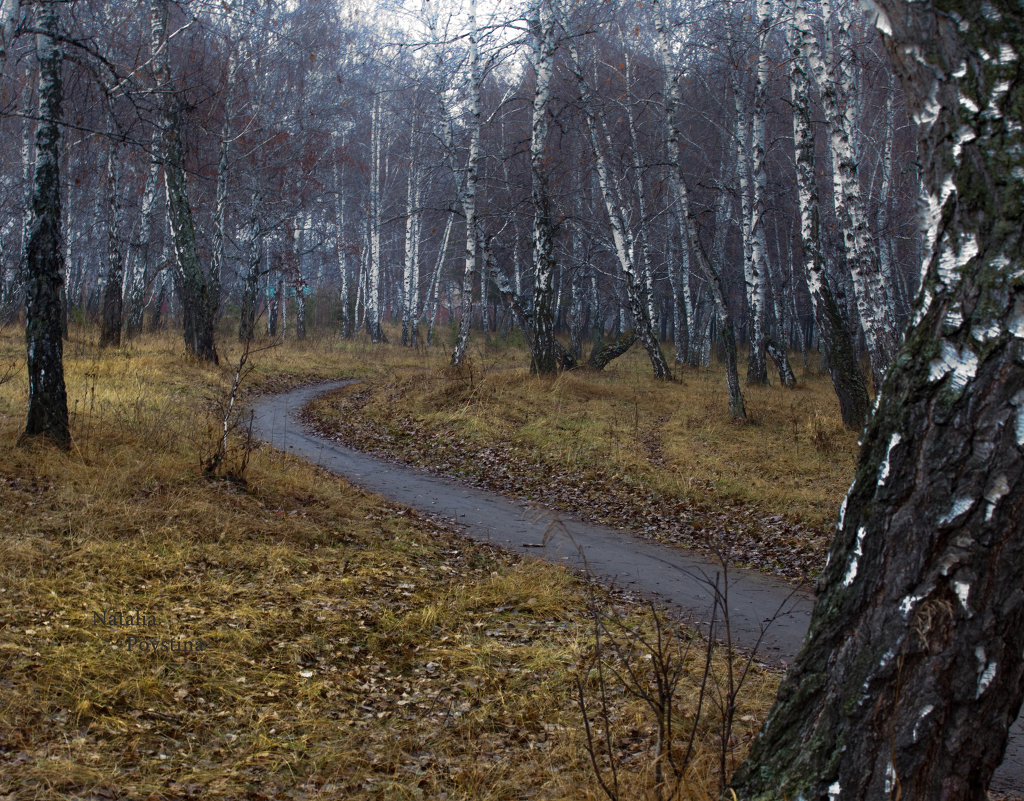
point(470, 188)
point(372, 300)
point(197, 289)
point(545, 356)
point(623, 240)
point(47, 396)
point(684, 218)
point(913, 668)
point(835, 82)
point(838, 345)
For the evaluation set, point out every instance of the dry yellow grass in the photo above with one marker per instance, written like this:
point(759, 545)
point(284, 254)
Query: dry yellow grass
point(354, 649)
point(663, 458)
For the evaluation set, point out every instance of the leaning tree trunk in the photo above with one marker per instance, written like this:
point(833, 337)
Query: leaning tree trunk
point(691, 242)
point(469, 191)
point(47, 396)
point(913, 669)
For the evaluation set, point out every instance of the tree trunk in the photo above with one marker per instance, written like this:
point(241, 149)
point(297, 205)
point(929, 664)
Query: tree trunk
point(600, 357)
point(47, 396)
point(411, 274)
point(371, 298)
point(622, 239)
point(469, 190)
point(253, 261)
point(847, 379)
point(913, 668)
point(781, 359)
point(835, 83)
point(112, 308)
point(691, 242)
point(135, 284)
point(195, 288)
point(545, 359)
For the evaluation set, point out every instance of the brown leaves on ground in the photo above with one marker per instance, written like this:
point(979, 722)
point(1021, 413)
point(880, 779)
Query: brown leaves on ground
point(742, 532)
point(352, 649)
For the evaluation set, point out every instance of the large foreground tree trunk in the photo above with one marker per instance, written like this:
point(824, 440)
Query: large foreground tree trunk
point(47, 396)
point(913, 670)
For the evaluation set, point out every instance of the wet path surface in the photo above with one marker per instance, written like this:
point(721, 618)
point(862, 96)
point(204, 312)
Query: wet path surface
point(669, 574)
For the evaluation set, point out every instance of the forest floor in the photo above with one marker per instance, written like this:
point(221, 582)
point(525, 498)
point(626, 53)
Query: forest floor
point(339, 646)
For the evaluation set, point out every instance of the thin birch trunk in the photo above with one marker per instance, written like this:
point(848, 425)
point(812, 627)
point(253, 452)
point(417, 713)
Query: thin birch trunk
point(196, 289)
point(372, 301)
point(221, 197)
point(691, 241)
point(112, 308)
point(135, 279)
point(341, 244)
point(469, 192)
point(414, 214)
point(545, 356)
point(430, 302)
point(253, 262)
point(622, 239)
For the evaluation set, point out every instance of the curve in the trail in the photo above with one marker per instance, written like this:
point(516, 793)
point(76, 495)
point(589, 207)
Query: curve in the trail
point(667, 573)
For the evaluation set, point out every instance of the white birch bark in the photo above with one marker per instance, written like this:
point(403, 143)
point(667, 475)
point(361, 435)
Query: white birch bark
point(253, 263)
point(372, 295)
point(413, 220)
point(142, 255)
point(10, 11)
point(622, 239)
point(837, 93)
point(545, 357)
point(837, 343)
point(341, 242)
point(221, 197)
point(112, 307)
point(430, 302)
point(691, 242)
point(757, 368)
point(469, 190)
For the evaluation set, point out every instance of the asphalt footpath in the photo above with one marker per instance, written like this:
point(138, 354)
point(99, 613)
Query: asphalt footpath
point(765, 613)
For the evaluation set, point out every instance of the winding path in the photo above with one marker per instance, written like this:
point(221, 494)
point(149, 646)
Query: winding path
point(667, 573)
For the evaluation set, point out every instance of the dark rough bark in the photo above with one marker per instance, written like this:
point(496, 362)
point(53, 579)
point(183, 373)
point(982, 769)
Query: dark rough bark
point(47, 396)
point(564, 360)
point(913, 670)
point(600, 357)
